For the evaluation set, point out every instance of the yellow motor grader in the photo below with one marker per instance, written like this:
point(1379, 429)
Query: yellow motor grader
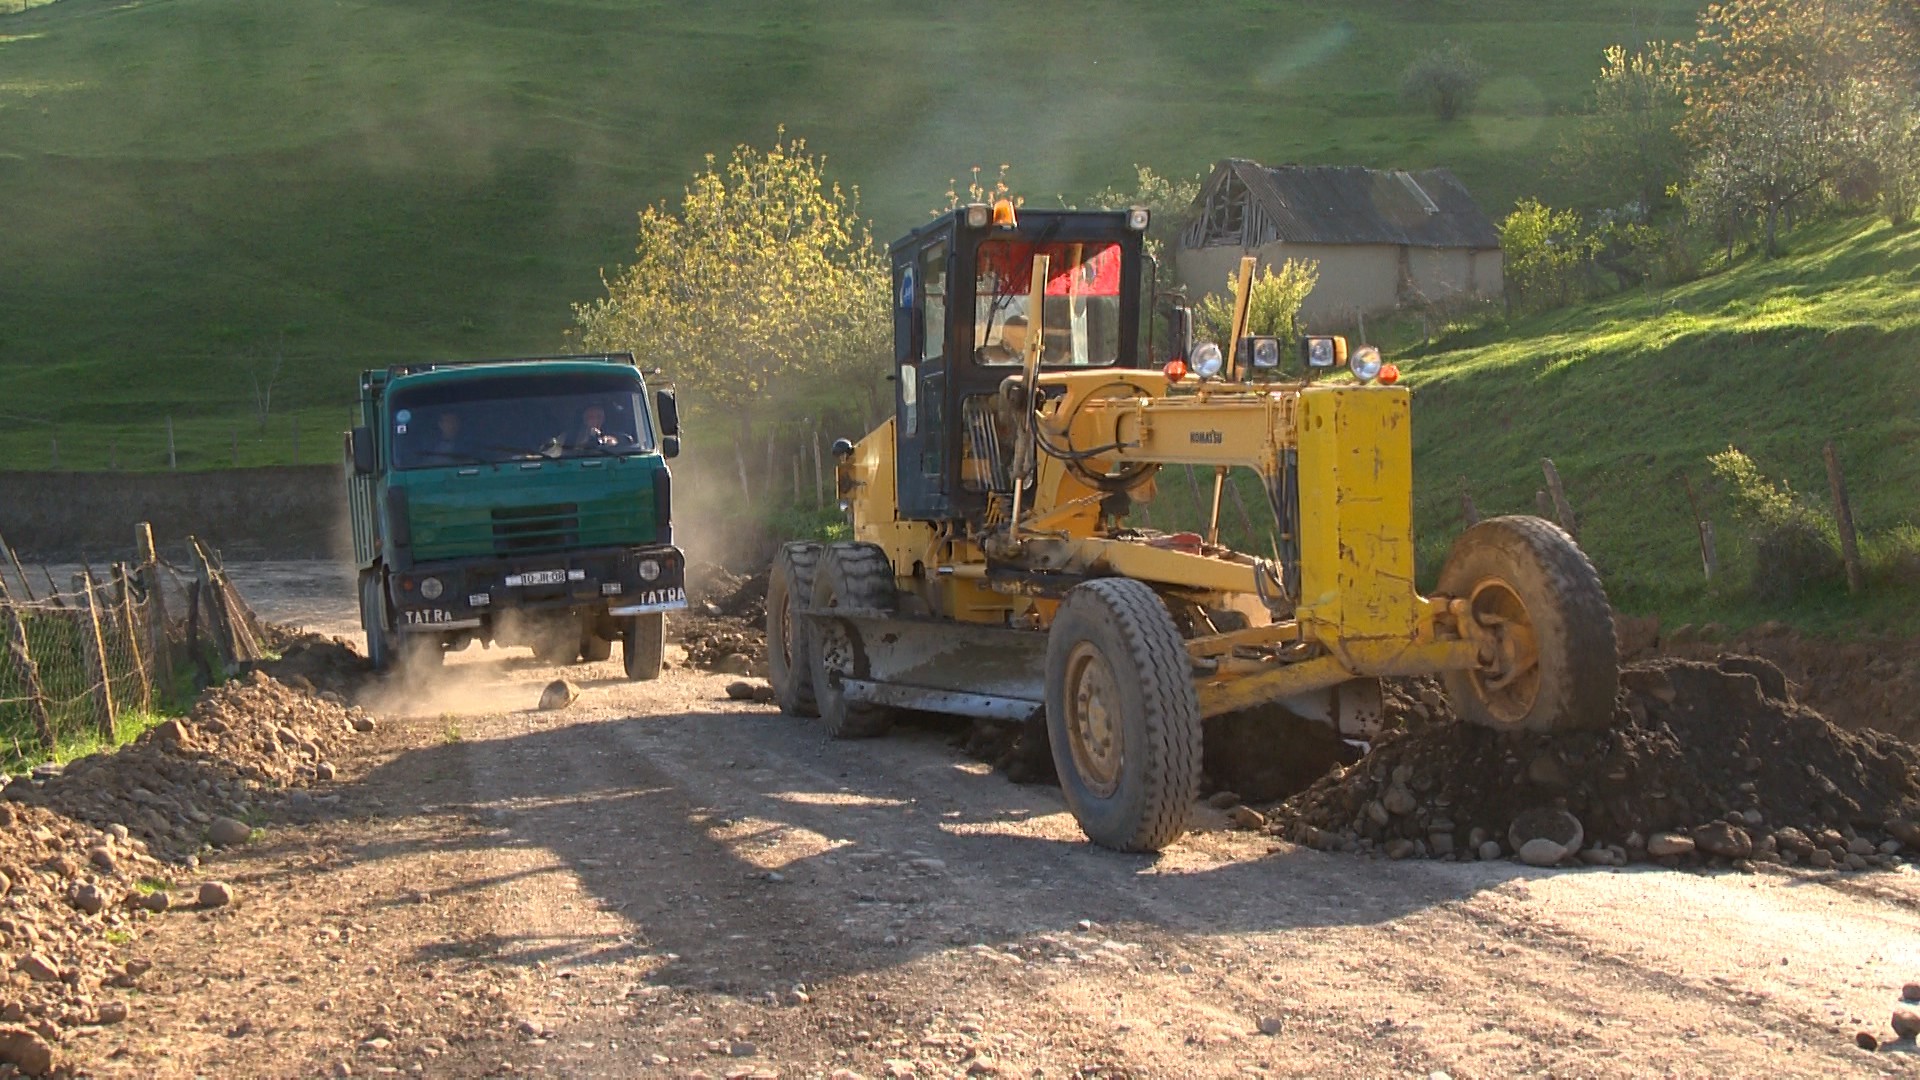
point(996, 570)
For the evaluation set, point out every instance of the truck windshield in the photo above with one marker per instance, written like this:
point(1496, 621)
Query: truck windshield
point(491, 419)
point(1081, 320)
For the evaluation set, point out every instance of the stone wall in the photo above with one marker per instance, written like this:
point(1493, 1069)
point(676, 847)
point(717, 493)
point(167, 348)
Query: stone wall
point(279, 512)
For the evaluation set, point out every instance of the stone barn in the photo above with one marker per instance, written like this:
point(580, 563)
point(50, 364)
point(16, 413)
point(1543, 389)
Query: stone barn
point(1383, 240)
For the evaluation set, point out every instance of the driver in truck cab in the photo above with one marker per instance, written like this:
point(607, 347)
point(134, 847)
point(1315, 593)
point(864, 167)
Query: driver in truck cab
point(592, 430)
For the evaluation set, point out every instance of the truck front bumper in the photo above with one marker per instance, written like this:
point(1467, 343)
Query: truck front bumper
point(619, 582)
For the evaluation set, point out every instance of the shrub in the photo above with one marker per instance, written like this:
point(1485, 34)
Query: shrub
point(1446, 80)
point(1892, 557)
point(1545, 254)
point(1795, 544)
point(1273, 305)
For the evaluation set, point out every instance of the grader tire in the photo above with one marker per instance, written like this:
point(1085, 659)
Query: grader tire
point(1122, 716)
point(1529, 584)
point(858, 576)
point(789, 668)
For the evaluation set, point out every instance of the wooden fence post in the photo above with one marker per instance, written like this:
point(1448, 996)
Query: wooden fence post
point(18, 570)
point(130, 625)
point(160, 646)
point(219, 619)
point(93, 648)
point(29, 676)
point(1469, 513)
point(1543, 505)
point(1843, 515)
point(1561, 508)
point(1709, 553)
point(198, 655)
point(819, 472)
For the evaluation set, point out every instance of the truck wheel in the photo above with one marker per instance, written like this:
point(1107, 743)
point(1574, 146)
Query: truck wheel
point(1122, 715)
point(421, 652)
point(594, 648)
point(373, 620)
point(557, 647)
point(1553, 665)
point(789, 668)
point(643, 648)
point(854, 576)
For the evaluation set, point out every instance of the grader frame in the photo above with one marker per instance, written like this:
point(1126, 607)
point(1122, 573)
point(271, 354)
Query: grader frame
point(1037, 597)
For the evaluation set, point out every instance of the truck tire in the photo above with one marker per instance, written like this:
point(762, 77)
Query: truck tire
point(789, 668)
point(857, 576)
point(1122, 715)
point(643, 646)
point(594, 648)
point(1529, 584)
point(373, 620)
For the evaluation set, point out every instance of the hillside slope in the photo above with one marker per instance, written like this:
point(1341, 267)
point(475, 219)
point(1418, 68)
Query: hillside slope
point(1629, 394)
point(191, 188)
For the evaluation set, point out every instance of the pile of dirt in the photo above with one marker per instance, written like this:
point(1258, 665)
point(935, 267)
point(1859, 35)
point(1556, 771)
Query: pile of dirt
point(728, 646)
point(720, 593)
point(1704, 762)
point(1859, 684)
point(88, 850)
point(316, 663)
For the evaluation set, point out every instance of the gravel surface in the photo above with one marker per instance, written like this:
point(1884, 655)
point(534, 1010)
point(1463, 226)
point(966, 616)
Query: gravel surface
point(660, 879)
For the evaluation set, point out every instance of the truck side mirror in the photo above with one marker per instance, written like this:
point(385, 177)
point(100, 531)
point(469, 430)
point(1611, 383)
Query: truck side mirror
point(669, 410)
point(361, 442)
point(669, 445)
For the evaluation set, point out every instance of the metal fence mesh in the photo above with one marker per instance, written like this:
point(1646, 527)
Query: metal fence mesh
point(73, 661)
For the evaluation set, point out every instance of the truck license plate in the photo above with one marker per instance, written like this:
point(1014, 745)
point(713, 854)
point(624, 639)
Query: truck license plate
point(537, 577)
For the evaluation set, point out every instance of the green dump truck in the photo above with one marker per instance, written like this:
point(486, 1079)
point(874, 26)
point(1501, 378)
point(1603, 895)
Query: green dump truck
point(521, 502)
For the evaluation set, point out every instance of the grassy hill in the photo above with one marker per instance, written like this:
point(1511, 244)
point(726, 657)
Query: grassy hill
point(193, 187)
point(1631, 393)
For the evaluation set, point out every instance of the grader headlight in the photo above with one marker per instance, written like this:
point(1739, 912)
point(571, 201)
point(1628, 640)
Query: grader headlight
point(1322, 353)
point(1263, 353)
point(1365, 363)
point(1206, 361)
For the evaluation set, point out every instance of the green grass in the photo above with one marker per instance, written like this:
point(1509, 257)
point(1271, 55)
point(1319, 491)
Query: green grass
point(1629, 394)
point(193, 185)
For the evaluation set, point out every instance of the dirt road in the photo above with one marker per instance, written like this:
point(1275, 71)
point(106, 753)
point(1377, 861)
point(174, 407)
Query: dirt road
point(661, 881)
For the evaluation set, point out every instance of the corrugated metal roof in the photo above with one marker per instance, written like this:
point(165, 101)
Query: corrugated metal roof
point(1343, 204)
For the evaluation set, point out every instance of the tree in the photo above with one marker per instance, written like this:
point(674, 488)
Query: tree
point(1446, 80)
point(1781, 96)
point(763, 279)
point(1273, 303)
point(1629, 147)
point(1168, 200)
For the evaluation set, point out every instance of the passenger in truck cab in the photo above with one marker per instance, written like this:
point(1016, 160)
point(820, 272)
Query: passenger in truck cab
point(446, 441)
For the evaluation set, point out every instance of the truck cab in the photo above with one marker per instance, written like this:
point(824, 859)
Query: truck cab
point(522, 502)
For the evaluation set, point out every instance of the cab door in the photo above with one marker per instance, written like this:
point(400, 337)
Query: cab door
point(923, 348)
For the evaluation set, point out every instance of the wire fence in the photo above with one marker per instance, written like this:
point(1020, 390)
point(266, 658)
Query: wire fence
point(75, 660)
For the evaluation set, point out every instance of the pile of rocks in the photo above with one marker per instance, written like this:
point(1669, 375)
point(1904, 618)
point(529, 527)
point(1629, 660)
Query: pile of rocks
point(1705, 763)
point(89, 850)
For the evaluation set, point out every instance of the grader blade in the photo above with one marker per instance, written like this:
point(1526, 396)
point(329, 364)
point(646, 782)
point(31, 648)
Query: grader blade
point(940, 666)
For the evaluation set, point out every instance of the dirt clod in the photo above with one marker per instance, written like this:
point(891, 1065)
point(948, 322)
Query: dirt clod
point(558, 695)
point(228, 832)
point(1906, 1022)
point(215, 894)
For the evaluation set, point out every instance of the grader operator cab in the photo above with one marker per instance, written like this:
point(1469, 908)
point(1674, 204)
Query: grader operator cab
point(996, 570)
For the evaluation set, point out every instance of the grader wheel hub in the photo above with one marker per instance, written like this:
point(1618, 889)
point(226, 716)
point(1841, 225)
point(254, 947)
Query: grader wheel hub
point(1093, 720)
point(1509, 681)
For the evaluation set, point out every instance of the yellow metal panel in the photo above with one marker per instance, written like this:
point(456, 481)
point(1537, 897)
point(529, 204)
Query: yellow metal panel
point(1356, 516)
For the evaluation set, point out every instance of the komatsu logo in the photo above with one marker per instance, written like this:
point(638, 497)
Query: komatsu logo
point(1210, 438)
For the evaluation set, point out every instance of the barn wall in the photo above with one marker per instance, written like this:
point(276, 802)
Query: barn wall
point(1354, 279)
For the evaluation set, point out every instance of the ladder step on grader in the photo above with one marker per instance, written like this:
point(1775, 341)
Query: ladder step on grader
point(997, 569)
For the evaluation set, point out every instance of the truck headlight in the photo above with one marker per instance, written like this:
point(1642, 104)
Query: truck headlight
point(1365, 363)
point(431, 588)
point(649, 569)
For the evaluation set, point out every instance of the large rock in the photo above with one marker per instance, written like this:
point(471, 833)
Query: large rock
point(558, 695)
point(1724, 840)
point(1662, 844)
point(39, 968)
point(1545, 836)
point(228, 832)
point(1906, 1022)
point(215, 894)
point(25, 1050)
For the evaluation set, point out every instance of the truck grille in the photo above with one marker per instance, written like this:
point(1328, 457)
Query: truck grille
point(523, 529)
